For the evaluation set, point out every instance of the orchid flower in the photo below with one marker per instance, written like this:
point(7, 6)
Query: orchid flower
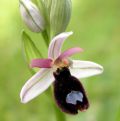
point(59, 66)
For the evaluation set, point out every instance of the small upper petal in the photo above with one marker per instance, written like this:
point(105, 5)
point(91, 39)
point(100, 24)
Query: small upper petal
point(41, 63)
point(70, 52)
point(83, 69)
point(56, 44)
point(36, 85)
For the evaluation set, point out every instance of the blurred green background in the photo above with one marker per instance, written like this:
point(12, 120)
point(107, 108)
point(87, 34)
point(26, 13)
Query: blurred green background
point(96, 27)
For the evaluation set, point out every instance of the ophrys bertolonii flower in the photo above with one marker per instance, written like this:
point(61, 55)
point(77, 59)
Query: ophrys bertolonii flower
point(64, 72)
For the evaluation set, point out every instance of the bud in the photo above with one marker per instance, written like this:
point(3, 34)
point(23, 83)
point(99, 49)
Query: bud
point(32, 16)
point(60, 15)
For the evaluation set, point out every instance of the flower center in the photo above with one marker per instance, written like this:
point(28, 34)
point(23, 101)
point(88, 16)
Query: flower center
point(59, 63)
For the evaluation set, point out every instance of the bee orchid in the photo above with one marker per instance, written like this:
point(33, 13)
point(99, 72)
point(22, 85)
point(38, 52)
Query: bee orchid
point(61, 71)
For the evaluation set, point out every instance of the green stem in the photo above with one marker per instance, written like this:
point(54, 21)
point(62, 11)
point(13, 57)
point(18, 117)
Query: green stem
point(60, 116)
point(46, 38)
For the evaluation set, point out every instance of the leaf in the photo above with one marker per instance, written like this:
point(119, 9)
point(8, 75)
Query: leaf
point(30, 51)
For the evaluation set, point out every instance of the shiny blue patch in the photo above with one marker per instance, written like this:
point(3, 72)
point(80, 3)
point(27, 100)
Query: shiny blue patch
point(73, 97)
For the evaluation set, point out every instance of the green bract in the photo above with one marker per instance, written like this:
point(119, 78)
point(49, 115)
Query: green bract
point(58, 13)
point(30, 51)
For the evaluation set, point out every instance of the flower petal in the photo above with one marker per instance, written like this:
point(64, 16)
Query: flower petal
point(41, 63)
point(70, 52)
point(36, 85)
point(56, 44)
point(83, 69)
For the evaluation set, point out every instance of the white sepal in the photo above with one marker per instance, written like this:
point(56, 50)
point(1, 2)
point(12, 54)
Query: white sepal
point(56, 44)
point(83, 69)
point(36, 85)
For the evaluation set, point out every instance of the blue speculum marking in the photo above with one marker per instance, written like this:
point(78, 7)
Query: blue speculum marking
point(73, 97)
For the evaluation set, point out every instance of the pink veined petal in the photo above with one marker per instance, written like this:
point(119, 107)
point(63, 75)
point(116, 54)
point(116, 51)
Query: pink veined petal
point(36, 85)
point(41, 63)
point(70, 52)
point(56, 44)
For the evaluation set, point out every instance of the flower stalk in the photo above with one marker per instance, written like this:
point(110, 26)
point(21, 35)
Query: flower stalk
point(60, 116)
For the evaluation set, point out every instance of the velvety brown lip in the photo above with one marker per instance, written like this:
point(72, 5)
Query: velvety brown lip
point(63, 85)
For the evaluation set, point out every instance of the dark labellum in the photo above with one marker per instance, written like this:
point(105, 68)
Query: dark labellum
point(68, 92)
